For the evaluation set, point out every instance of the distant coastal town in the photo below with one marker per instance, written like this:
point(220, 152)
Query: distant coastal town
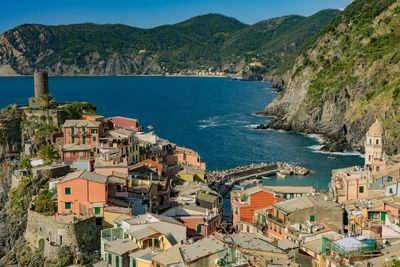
point(109, 192)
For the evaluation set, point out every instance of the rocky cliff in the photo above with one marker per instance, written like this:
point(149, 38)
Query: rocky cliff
point(344, 78)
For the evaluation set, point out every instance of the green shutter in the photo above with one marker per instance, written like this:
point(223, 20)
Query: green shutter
point(199, 226)
point(277, 213)
point(116, 260)
point(94, 138)
point(67, 190)
point(97, 210)
point(109, 258)
point(83, 140)
point(67, 205)
point(383, 216)
point(264, 219)
point(83, 129)
point(361, 189)
point(94, 149)
point(133, 262)
point(311, 218)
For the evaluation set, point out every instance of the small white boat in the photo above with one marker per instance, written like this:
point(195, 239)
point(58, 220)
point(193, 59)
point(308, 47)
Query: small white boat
point(265, 178)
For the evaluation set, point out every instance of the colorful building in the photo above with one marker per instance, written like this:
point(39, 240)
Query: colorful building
point(185, 156)
point(78, 136)
point(82, 192)
point(244, 203)
point(126, 123)
point(303, 212)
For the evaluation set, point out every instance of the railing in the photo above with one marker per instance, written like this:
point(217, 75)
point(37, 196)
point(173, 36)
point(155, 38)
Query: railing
point(270, 216)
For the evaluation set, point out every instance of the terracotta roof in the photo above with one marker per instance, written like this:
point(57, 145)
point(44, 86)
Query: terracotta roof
point(152, 163)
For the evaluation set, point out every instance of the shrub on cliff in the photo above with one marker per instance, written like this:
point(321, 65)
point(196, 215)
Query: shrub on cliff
point(48, 153)
point(44, 203)
point(74, 110)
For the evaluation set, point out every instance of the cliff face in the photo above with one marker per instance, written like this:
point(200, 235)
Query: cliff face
point(344, 78)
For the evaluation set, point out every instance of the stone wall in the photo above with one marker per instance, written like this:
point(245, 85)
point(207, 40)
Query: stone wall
point(57, 233)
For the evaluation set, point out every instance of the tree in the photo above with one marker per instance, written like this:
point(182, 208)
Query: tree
point(25, 164)
point(44, 203)
point(74, 110)
point(47, 101)
point(48, 153)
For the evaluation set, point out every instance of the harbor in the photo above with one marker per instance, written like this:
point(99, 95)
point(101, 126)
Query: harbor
point(223, 181)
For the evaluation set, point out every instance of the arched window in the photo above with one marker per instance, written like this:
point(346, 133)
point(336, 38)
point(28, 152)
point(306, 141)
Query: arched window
point(370, 141)
point(377, 141)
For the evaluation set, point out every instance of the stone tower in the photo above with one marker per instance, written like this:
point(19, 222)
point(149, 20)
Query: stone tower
point(41, 81)
point(374, 143)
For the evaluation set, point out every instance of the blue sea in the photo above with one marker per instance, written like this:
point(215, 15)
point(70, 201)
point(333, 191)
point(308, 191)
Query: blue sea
point(213, 116)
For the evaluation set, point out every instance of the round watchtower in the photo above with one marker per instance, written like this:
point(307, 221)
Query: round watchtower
point(41, 83)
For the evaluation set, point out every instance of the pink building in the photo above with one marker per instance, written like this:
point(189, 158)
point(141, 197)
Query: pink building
point(378, 165)
point(78, 136)
point(127, 123)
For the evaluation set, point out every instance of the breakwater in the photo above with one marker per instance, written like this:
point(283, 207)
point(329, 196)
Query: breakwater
point(222, 181)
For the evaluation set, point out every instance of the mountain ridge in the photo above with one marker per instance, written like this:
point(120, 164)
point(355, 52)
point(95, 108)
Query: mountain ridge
point(201, 42)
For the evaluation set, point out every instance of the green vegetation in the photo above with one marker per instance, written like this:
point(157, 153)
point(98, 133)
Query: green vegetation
point(25, 164)
point(18, 195)
point(202, 42)
point(44, 203)
point(74, 110)
point(48, 153)
point(353, 64)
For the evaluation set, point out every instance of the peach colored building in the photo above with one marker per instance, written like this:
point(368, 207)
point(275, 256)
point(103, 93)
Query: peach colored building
point(82, 193)
point(92, 117)
point(349, 184)
point(183, 155)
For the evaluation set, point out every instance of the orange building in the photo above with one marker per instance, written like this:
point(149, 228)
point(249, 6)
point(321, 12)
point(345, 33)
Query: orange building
point(184, 155)
point(244, 203)
point(82, 193)
point(92, 117)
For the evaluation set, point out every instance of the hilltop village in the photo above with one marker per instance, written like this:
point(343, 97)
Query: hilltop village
point(110, 194)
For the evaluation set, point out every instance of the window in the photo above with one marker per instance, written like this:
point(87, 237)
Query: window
point(97, 210)
point(67, 190)
point(158, 265)
point(68, 155)
point(198, 230)
point(134, 262)
point(377, 168)
point(81, 154)
point(280, 230)
point(109, 258)
point(277, 213)
point(94, 149)
point(83, 128)
point(370, 141)
point(73, 140)
point(390, 190)
point(377, 141)
point(270, 226)
point(116, 260)
point(275, 227)
point(94, 138)
point(311, 218)
point(361, 189)
point(248, 229)
point(67, 205)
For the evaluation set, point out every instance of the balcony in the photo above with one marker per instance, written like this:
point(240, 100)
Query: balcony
point(276, 219)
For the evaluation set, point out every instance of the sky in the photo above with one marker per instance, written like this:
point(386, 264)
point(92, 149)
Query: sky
point(151, 13)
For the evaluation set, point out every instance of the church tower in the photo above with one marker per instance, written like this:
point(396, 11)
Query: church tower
point(374, 143)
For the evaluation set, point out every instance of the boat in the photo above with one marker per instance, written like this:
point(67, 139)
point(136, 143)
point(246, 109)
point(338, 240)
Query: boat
point(248, 183)
point(280, 175)
point(265, 178)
